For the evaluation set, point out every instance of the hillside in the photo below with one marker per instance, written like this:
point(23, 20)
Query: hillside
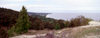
point(88, 31)
point(7, 17)
point(38, 21)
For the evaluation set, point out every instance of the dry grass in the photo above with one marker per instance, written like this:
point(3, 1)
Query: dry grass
point(85, 32)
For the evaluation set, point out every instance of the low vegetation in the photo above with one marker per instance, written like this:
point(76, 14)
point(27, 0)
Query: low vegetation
point(79, 21)
point(85, 32)
point(3, 33)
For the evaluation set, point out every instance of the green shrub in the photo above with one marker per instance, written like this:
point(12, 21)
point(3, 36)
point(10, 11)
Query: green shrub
point(11, 31)
point(57, 26)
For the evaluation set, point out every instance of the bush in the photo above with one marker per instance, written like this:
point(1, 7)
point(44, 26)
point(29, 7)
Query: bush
point(66, 24)
point(57, 26)
point(11, 32)
point(49, 25)
point(3, 33)
point(79, 21)
point(37, 24)
point(61, 23)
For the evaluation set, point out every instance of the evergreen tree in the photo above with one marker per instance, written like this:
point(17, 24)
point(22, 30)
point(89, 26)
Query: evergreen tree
point(22, 25)
point(23, 22)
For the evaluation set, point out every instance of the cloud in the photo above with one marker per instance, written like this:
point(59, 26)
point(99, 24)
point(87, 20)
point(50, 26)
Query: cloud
point(38, 0)
point(16, 7)
point(39, 7)
point(15, 0)
point(52, 5)
point(10, 5)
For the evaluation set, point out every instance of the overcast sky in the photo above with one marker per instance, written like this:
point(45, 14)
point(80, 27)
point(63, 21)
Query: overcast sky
point(52, 5)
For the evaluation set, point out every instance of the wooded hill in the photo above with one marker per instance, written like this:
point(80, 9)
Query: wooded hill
point(8, 18)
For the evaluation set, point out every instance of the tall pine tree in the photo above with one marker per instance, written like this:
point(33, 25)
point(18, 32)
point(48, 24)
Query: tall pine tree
point(23, 23)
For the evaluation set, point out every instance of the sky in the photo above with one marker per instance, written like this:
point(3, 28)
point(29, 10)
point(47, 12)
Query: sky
point(53, 5)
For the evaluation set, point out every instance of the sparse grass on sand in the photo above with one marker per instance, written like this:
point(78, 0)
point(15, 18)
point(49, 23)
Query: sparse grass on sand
point(87, 32)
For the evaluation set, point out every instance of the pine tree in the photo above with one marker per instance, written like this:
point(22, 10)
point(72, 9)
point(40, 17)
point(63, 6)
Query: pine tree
point(23, 22)
point(22, 25)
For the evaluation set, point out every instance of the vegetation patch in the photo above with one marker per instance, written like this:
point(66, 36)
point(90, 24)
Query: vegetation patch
point(87, 32)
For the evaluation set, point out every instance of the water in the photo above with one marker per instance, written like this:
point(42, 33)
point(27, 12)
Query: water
point(68, 16)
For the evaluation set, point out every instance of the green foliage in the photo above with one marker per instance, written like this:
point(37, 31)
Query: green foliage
point(23, 24)
point(11, 32)
point(57, 26)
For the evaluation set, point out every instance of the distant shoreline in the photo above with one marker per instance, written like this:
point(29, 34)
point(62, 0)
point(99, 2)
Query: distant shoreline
point(68, 16)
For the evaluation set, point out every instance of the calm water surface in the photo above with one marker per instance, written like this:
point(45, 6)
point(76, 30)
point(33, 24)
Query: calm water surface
point(68, 16)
